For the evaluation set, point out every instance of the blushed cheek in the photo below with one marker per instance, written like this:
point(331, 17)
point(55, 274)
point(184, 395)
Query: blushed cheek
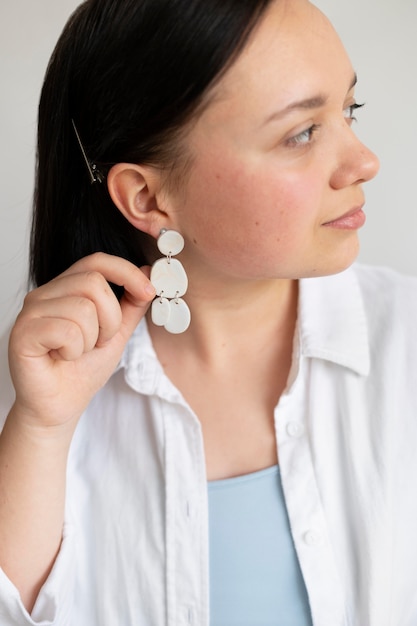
point(220, 196)
point(235, 211)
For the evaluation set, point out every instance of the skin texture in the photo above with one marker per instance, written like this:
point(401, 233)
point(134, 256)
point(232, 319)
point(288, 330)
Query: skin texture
point(257, 211)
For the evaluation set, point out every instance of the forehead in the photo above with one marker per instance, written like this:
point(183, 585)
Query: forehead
point(293, 51)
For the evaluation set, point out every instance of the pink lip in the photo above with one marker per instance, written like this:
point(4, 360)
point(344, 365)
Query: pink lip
point(352, 220)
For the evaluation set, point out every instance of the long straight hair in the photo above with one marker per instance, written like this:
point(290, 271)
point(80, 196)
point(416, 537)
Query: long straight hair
point(131, 74)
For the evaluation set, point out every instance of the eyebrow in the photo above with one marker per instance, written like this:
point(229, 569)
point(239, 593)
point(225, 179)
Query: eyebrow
point(307, 104)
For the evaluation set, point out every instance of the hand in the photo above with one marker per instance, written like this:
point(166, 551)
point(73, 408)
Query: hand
point(70, 335)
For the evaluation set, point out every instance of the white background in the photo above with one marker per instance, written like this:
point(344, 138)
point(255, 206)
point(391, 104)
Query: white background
point(380, 36)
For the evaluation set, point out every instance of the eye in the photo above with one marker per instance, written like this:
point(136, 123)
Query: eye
point(349, 112)
point(304, 138)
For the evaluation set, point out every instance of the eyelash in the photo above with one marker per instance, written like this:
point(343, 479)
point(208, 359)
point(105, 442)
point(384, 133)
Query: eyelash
point(297, 140)
point(351, 109)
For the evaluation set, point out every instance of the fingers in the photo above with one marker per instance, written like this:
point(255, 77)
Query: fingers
point(78, 311)
point(61, 338)
point(138, 290)
point(69, 325)
point(78, 297)
point(120, 272)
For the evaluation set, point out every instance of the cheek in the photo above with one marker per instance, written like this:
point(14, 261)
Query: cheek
point(288, 201)
point(220, 218)
point(219, 195)
point(240, 210)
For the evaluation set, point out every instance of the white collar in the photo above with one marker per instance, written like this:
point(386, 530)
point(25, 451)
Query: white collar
point(331, 326)
point(332, 321)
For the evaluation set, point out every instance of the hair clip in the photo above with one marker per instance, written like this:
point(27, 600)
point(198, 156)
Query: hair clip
point(95, 175)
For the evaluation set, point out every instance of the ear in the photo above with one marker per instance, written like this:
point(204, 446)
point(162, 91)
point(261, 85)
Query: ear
point(135, 190)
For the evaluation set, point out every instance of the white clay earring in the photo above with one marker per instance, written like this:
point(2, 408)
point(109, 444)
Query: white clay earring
point(170, 281)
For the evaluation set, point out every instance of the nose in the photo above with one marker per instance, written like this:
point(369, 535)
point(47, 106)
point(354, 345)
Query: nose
point(357, 163)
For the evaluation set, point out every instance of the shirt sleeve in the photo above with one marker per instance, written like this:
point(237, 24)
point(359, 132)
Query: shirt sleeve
point(54, 603)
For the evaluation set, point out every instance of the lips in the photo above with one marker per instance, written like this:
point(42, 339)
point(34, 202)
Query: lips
point(352, 220)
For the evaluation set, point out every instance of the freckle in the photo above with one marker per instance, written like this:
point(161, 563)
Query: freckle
point(195, 241)
point(256, 223)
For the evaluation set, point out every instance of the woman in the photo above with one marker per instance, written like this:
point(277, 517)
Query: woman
point(252, 467)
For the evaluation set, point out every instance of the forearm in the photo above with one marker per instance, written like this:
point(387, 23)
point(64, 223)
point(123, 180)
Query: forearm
point(32, 501)
point(63, 348)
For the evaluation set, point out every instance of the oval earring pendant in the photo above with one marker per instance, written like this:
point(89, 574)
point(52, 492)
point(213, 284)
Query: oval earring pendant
point(160, 311)
point(169, 278)
point(179, 318)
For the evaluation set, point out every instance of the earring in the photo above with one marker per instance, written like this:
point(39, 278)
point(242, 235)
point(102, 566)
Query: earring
point(170, 281)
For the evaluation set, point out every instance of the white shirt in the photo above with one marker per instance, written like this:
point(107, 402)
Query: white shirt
point(135, 547)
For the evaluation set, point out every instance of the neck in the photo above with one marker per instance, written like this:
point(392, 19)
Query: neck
point(250, 317)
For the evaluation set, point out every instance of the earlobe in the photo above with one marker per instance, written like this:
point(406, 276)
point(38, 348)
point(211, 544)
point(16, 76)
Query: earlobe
point(134, 190)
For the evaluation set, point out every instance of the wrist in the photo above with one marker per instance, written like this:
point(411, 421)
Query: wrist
point(35, 429)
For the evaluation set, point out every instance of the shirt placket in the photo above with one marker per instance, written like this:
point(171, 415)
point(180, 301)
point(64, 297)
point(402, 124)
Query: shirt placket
point(304, 508)
point(186, 520)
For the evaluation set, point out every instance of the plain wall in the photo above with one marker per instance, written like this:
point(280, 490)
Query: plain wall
point(380, 36)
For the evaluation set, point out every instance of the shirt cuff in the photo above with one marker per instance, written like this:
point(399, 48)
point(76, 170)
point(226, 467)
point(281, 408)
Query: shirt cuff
point(54, 602)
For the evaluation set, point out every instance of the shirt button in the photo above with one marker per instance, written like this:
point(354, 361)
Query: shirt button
point(312, 538)
point(295, 429)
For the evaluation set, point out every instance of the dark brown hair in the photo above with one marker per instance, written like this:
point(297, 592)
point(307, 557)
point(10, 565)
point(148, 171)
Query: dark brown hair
point(131, 74)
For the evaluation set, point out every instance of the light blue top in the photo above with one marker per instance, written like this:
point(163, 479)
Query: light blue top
point(255, 578)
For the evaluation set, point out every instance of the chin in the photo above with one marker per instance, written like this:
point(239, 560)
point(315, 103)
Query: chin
point(336, 263)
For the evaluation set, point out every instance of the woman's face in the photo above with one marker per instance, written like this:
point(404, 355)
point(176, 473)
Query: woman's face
point(275, 190)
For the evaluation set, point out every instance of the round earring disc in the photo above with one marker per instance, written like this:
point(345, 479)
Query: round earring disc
point(170, 242)
point(160, 311)
point(180, 317)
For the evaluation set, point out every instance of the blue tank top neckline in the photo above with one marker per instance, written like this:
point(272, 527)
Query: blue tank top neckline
point(255, 577)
